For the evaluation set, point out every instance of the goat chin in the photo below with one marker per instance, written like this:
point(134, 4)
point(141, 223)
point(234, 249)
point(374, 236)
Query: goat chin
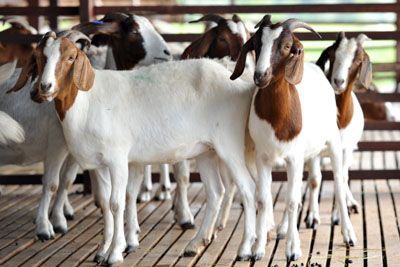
point(7, 70)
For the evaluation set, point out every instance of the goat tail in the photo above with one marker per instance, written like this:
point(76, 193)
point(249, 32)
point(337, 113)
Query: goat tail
point(10, 130)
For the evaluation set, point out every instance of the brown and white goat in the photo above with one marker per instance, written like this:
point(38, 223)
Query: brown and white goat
point(292, 116)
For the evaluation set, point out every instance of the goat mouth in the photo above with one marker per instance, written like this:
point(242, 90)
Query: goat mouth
point(161, 59)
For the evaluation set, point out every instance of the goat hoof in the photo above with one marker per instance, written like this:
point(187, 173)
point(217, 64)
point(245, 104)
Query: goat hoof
point(293, 257)
point(44, 237)
point(60, 230)
point(335, 221)
point(99, 259)
point(312, 224)
point(353, 209)
point(189, 253)
point(69, 217)
point(244, 257)
point(257, 256)
point(187, 225)
point(130, 248)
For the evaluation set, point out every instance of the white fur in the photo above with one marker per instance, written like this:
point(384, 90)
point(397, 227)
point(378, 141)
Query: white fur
point(151, 117)
point(267, 39)
point(6, 70)
point(10, 130)
point(52, 53)
point(319, 129)
point(344, 56)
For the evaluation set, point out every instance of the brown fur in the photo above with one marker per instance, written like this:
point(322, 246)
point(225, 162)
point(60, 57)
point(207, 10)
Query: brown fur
point(11, 51)
point(217, 42)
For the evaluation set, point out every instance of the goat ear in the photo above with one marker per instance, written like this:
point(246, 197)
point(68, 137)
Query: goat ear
point(29, 70)
point(200, 47)
point(295, 65)
point(323, 58)
point(241, 62)
point(365, 72)
point(83, 74)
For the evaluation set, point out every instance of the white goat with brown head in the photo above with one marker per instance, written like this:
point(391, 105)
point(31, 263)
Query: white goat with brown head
point(109, 130)
point(293, 116)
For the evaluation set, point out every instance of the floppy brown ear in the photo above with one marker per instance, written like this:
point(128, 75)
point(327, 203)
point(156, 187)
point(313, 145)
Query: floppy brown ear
point(29, 69)
point(295, 65)
point(83, 73)
point(365, 72)
point(241, 62)
point(200, 47)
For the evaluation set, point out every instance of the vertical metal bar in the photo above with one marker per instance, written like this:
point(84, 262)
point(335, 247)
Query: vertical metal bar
point(86, 10)
point(33, 19)
point(398, 48)
point(53, 17)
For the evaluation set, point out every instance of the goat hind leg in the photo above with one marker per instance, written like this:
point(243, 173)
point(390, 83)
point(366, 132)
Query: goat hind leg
point(147, 185)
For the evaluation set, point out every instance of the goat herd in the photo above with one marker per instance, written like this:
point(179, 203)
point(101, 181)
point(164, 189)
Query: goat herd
point(236, 103)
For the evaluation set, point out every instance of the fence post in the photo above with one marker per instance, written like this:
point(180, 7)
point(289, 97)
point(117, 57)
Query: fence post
point(53, 17)
point(34, 19)
point(86, 10)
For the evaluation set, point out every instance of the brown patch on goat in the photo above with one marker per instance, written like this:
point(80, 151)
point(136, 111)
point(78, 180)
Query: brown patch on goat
point(73, 72)
point(217, 42)
point(11, 51)
point(374, 111)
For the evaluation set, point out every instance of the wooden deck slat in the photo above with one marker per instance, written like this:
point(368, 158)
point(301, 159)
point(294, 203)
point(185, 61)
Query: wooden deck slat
point(356, 254)
point(159, 228)
point(23, 195)
point(29, 240)
point(374, 251)
point(162, 241)
point(321, 251)
point(389, 224)
point(84, 255)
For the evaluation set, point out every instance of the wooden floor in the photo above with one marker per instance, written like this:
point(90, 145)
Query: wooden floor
point(162, 241)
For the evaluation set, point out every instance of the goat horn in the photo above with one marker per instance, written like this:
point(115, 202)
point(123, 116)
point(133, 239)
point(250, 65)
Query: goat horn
point(115, 16)
point(265, 20)
point(209, 17)
point(292, 24)
point(74, 36)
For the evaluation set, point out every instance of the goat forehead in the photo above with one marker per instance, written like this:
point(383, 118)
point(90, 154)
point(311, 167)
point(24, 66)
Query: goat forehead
point(346, 50)
point(143, 23)
point(269, 36)
point(52, 48)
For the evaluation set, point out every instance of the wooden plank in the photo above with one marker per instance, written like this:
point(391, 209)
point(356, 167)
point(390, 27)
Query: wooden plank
point(394, 186)
point(85, 253)
point(389, 224)
point(320, 252)
point(30, 197)
point(197, 200)
point(374, 249)
point(39, 11)
point(86, 10)
point(356, 253)
point(5, 202)
point(157, 226)
point(20, 245)
point(366, 161)
point(6, 190)
point(44, 254)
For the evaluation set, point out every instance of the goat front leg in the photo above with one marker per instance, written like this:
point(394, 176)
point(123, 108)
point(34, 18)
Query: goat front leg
point(147, 185)
point(164, 188)
point(182, 214)
point(68, 175)
point(119, 179)
point(132, 224)
point(207, 164)
point(314, 184)
point(265, 217)
point(55, 157)
point(335, 152)
point(293, 201)
point(102, 196)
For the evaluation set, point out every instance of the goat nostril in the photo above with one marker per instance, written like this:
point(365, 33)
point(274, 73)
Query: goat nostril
point(338, 82)
point(257, 76)
point(167, 52)
point(45, 87)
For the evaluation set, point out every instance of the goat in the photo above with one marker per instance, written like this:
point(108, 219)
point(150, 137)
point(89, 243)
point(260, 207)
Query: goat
point(222, 41)
point(112, 131)
point(125, 51)
point(348, 64)
point(286, 122)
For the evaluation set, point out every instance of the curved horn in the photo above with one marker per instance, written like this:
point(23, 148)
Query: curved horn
point(209, 17)
point(115, 16)
point(19, 22)
point(76, 37)
point(292, 24)
point(266, 20)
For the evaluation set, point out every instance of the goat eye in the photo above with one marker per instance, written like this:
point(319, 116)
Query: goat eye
point(71, 58)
